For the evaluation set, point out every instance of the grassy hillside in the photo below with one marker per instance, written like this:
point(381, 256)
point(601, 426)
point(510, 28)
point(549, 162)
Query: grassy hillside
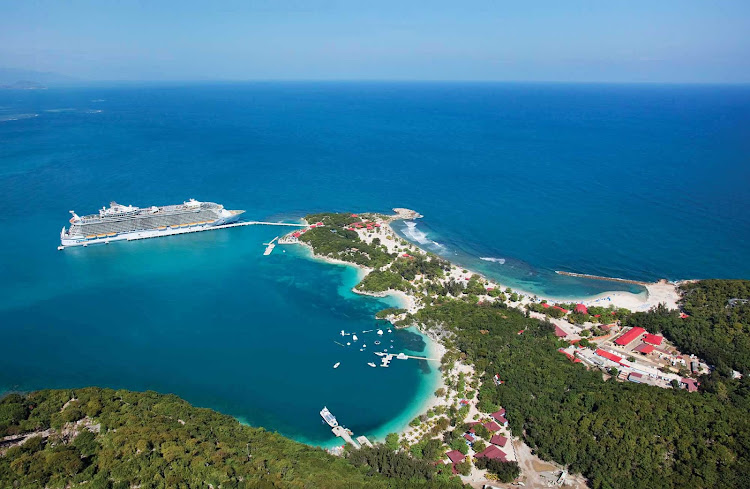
point(102, 438)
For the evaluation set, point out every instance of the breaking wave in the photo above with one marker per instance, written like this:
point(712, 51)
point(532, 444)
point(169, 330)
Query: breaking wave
point(501, 261)
point(417, 235)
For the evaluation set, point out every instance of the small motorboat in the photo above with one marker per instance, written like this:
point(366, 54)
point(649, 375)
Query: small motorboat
point(364, 346)
point(348, 344)
point(389, 330)
point(377, 342)
point(354, 337)
point(371, 364)
point(336, 365)
point(380, 332)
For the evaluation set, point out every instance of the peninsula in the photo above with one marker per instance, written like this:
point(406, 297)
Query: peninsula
point(527, 377)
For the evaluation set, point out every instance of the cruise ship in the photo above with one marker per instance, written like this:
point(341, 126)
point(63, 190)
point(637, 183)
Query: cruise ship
point(127, 222)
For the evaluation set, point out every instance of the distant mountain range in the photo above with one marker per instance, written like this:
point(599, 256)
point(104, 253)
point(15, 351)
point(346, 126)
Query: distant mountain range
point(23, 85)
point(14, 78)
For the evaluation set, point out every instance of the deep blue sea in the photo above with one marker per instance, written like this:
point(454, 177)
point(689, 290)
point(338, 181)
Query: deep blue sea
point(513, 180)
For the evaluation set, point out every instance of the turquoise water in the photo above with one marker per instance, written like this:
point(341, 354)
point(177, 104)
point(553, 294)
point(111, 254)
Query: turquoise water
point(641, 182)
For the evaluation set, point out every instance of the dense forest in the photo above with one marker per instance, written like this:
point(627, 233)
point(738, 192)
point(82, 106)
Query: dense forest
point(717, 326)
point(102, 438)
point(619, 435)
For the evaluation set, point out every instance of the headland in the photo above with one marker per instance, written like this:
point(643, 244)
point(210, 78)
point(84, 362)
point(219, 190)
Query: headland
point(391, 266)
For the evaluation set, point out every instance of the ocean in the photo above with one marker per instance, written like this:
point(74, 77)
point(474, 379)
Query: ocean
point(514, 180)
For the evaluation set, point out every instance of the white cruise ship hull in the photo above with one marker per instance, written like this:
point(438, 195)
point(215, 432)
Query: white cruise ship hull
point(116, 228)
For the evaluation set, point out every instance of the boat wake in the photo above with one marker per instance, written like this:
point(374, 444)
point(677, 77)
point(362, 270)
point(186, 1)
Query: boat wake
point(501, 261)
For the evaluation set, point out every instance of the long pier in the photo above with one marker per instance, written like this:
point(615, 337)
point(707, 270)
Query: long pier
point(597, 277)
point(173, 232)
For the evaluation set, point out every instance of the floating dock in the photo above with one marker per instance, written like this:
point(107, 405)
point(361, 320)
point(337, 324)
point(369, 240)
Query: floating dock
point(363, 441)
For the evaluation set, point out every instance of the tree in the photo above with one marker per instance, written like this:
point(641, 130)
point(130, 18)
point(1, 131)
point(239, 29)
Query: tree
point(391, 441)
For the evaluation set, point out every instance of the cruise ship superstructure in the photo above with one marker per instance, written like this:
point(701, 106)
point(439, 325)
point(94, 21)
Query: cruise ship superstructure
point(127, 222)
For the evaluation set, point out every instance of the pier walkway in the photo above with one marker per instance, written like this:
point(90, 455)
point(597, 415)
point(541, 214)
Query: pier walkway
point(344, 433)
point(155, 233)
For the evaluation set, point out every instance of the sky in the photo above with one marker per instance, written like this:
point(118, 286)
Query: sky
point(692, 41)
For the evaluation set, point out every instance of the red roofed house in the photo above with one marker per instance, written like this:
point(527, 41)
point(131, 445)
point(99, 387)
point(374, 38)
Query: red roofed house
point(629, 336)
point(653, 339)
point(559, 332)
point(470, 437)
point(492, 452)
point(498, 414)
point(492, 426)
point(644, 348)
point(545, 305)
point(561, 309)
point(455, 456)
point(580, 308)
point(690, 384)
point(498, 440)
point(683, 315)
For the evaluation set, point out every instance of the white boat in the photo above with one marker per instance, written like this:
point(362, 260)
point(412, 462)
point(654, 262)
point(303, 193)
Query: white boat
point(328, 417)
point(364, 346)
point(380, 332)
point(342, 332)
point(377, 342)
point(354, 337)
point(336, 365)
point(389, 330)
point(371, 364)
point(348, 343)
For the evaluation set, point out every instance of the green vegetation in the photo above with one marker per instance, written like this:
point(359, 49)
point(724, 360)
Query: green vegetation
point(718, 326)
point(102, 438)
point(382, 280)
point(334, 241)
point(617, 434)
point(384, 313)
point(505, 471)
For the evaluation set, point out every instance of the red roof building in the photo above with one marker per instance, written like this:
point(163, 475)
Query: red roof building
point(580, 308)
point(498, 414)
point(492, 452)
point(561, 309)
point(545, 305)
point(498, 440)
point(690, 384)
point(629, 336)
point(492, 426)
point(455, 456)
point(559, 332)
point(644, 348)
point(470, 437)
point(653, 339)
point(609, 356)
point(572, 358)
